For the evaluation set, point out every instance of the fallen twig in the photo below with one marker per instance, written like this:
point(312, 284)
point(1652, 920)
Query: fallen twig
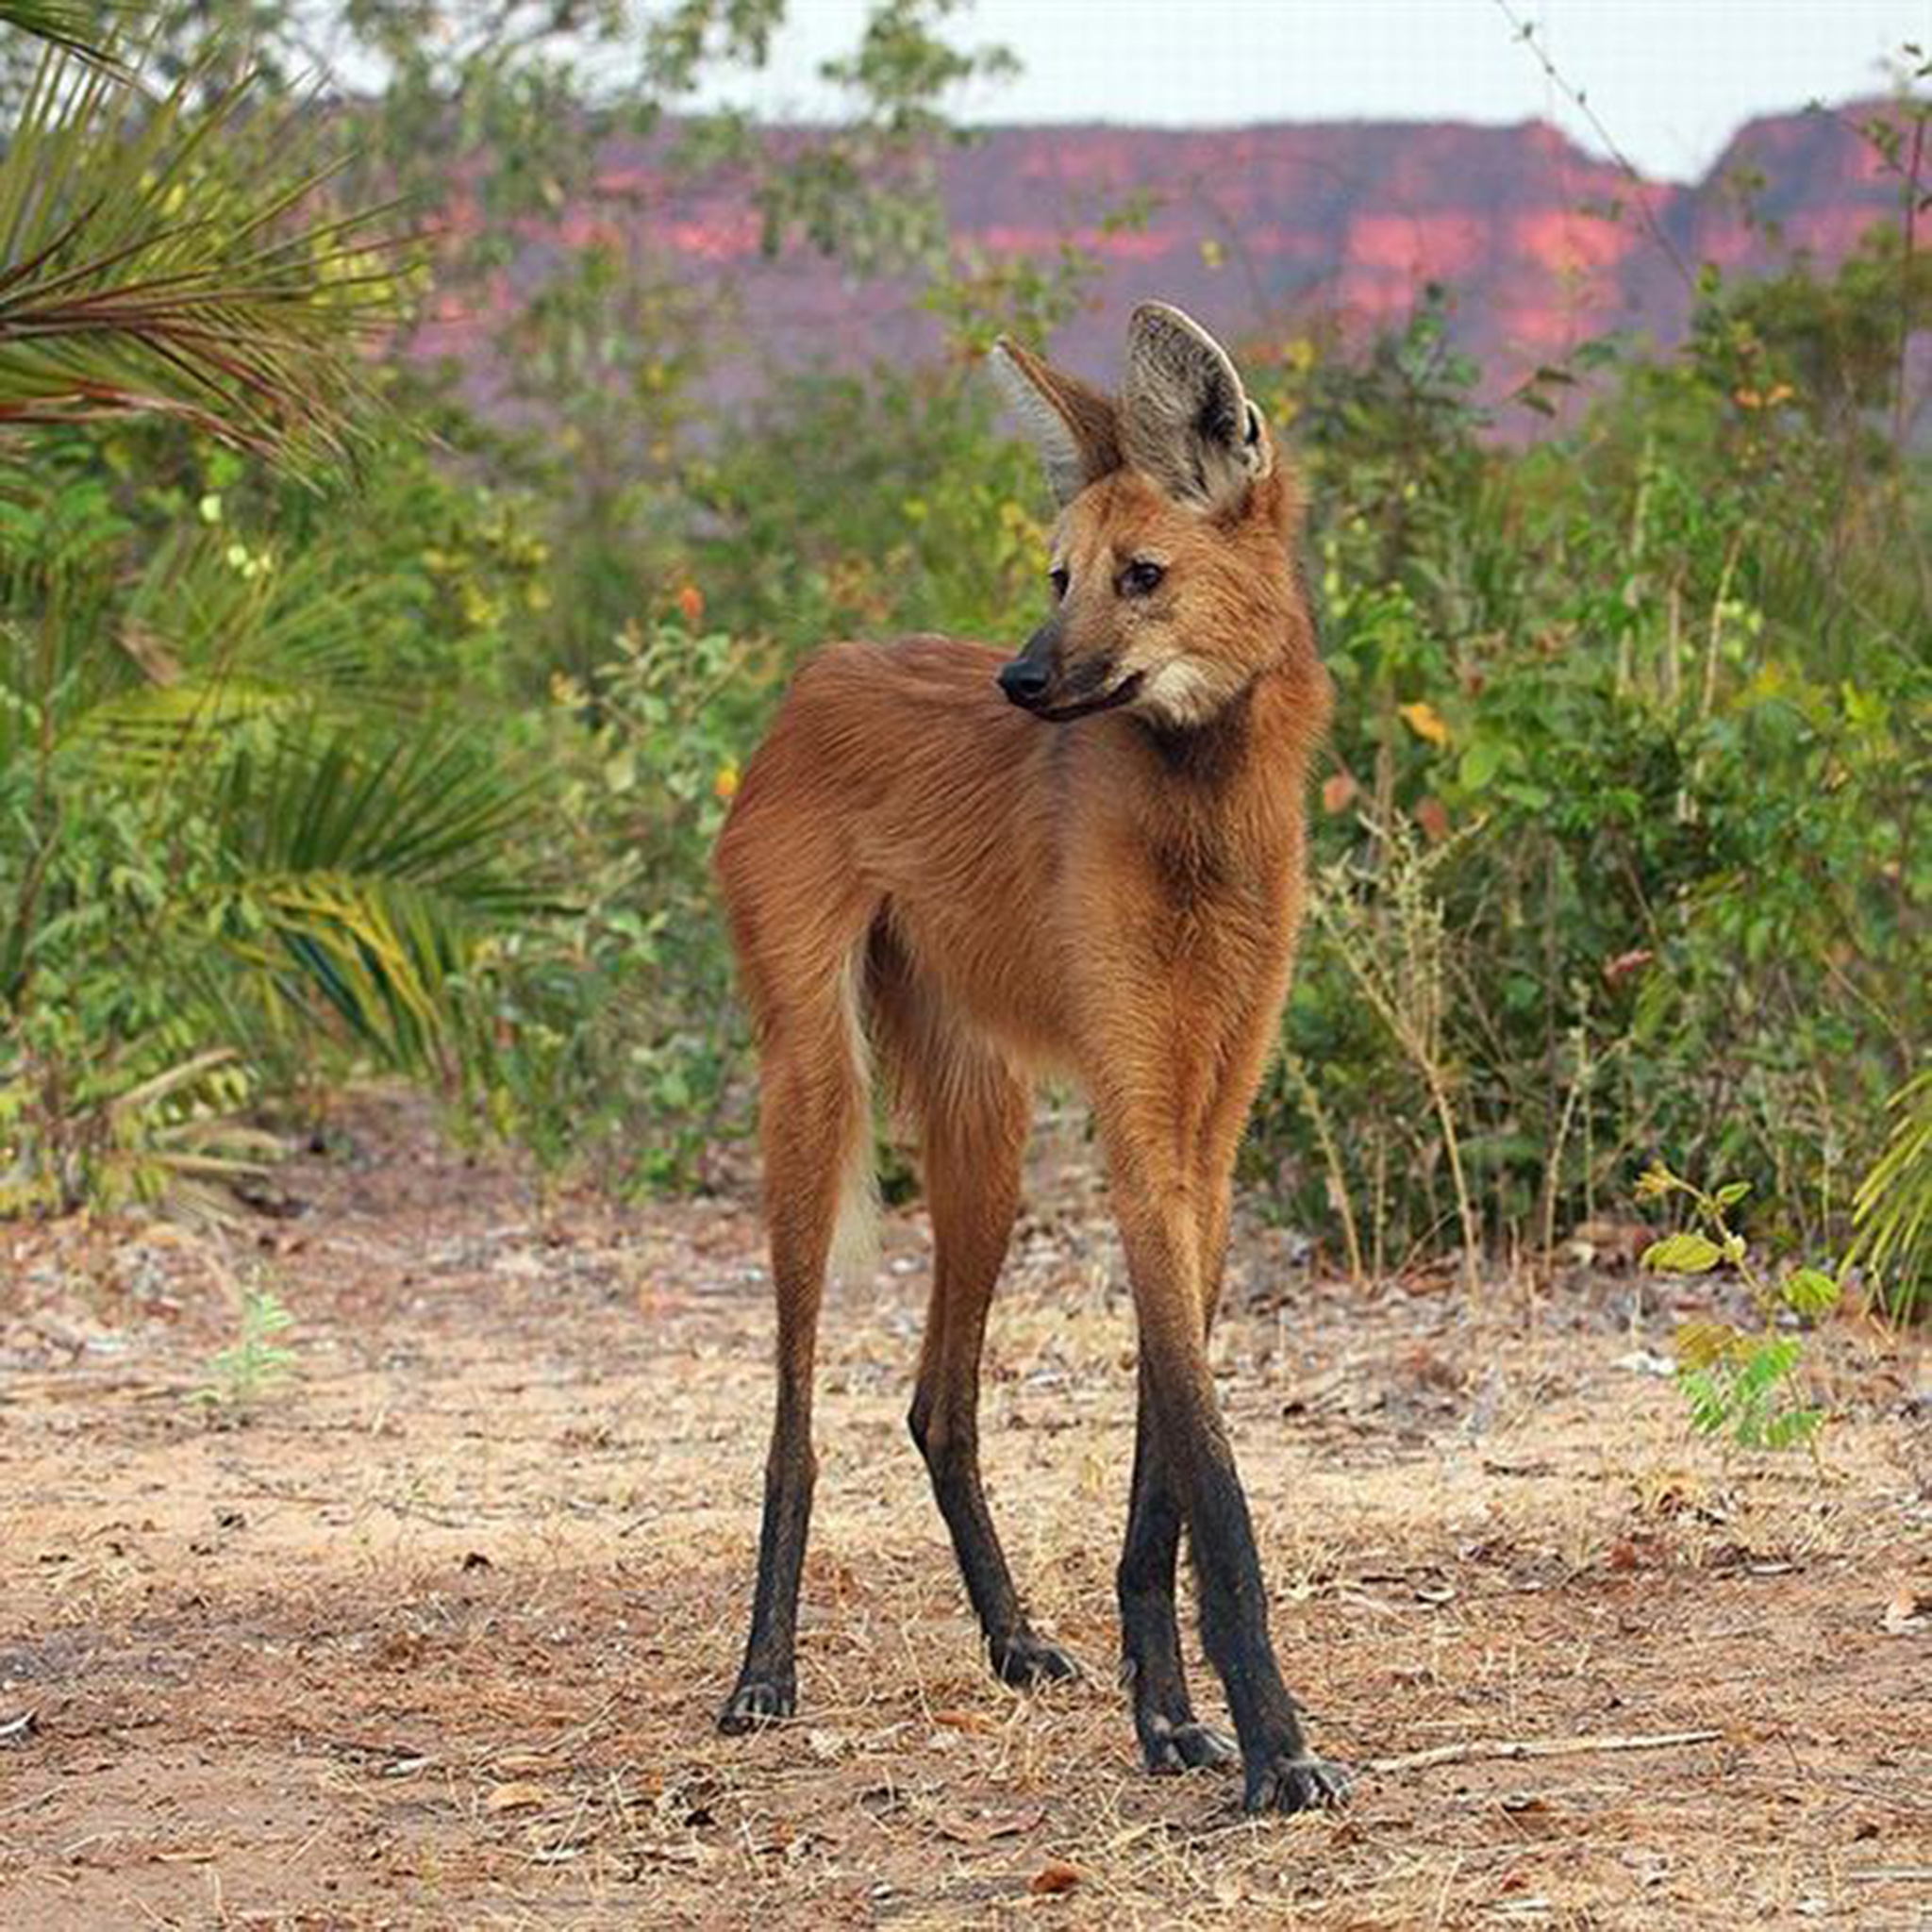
point(1481, 1748)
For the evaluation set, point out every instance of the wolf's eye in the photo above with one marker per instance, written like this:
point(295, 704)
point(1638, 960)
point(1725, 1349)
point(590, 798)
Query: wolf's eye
point(1141, 577)
point(1058, 577)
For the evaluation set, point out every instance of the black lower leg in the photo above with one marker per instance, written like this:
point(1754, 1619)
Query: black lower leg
point(1281, 1774)
point(767, 1684)
point(950, 1449)
point(1171, 1738)
point(975, 1127)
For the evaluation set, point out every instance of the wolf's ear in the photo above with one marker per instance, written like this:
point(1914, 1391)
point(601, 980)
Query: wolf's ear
point(1185, 419)
point(1075, 428)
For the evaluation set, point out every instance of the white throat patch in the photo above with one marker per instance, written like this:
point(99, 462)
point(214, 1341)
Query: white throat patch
point(1182, 691)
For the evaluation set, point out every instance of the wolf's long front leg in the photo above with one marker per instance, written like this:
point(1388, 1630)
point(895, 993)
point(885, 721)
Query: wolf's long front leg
point(1171, 1738)
point(1162, 1238)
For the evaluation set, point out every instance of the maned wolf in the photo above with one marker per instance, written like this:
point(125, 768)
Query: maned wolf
point(1085, 861)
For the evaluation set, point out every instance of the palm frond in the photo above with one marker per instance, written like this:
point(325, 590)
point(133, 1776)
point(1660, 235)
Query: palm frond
point(154, 257)
point(72, 26)
point(363, 876)
point(423, 805)
point(210, 634)
point(1892, 1212)
point(202, 648)
point(153, 729)
point(382, 956)
point(282, 619)
point(175, 1142)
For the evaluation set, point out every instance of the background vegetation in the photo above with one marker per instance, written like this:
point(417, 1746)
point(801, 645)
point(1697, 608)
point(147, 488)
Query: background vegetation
point(342, 730)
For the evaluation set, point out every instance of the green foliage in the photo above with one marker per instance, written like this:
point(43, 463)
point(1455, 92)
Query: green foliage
point(863, 189)
point(868, 506)
point(242, 1375)
point(289, 780)
point(1738, 1383)
point(241, 846)
point(1893, 1207)
point(1657, 685)
point(153, 264)
point(1615, 841)
point(622, 1028)
point(606, 356)
point(1385, 927)
point(72, 25)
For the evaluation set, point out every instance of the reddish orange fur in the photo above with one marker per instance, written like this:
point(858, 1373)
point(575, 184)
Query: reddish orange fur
point(991, 897)
point(1065, 900)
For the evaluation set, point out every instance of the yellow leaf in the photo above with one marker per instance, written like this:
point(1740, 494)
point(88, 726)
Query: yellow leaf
point(726, 784)
point(1689, 1253)
point(1426, 722)
point(1704, 1344)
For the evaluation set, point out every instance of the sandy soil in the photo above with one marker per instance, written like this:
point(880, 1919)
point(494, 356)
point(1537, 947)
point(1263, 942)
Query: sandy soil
point(433, 1635)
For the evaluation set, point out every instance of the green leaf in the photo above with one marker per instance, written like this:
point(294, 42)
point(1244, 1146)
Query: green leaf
point(1709, 1400)
point(1689, 1253)
point(1792, 1426)
point(1480, 762)
point(1810, 1291)
point(1732, 1192)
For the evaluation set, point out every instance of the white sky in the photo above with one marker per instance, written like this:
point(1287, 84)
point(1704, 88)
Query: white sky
point(1671, 79)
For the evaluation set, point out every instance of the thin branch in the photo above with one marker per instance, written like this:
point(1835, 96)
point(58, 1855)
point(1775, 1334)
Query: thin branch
point(1525, 32)
point(1481, 1750)
point(1909, 225)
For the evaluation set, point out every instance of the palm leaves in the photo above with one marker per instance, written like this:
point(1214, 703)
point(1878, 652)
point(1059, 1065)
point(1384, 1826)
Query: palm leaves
point(345, 847)
point(72, 25)
point(225, 859)
point(359, 878)
point(354, 846)
point(154, 257)
point(227, 841)
point(205, 647)
point(1893, 1210)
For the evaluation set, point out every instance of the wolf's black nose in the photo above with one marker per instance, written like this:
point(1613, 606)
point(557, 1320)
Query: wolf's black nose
point(1024, 683)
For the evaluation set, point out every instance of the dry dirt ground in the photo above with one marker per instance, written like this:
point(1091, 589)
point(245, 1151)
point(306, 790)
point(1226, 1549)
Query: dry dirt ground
point(434, 1638)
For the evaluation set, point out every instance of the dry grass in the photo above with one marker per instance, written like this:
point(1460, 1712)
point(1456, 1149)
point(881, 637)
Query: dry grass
point(436, 1639)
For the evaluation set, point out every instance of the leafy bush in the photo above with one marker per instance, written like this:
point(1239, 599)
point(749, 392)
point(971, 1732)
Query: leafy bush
point(1662, 754)
point(238, 838)
point(620, 1030)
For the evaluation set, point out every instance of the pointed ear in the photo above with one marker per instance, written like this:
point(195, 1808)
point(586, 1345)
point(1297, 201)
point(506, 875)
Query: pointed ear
point(1185, 419)
point(1075, 428)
